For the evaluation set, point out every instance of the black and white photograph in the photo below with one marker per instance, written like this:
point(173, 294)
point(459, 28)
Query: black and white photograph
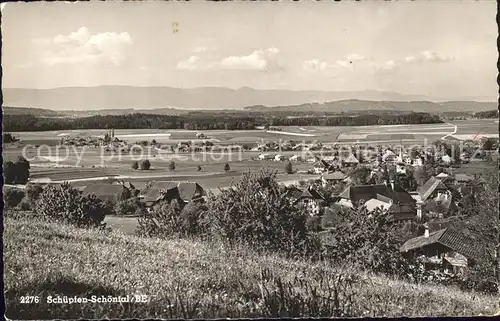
point(250, 159)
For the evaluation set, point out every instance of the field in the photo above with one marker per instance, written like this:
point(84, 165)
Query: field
point(191, 279)
point(89, 164)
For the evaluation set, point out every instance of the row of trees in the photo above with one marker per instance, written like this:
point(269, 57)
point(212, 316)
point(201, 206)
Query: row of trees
point(205, 121)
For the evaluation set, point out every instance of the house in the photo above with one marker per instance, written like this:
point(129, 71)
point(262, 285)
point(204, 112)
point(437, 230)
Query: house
point(435, 189)
point(160, 192)
point(296, 158)
point(417, 161)
point(322, 166)
point(264, 157)
point(400, 169)
point(389, 157)
point(106, 191)
point(351, 161)
point(312, 159)
point(463, 179)
point(446, 248)
point(392, 200)
point(190, 191)
point(446, 159)
point(395, 199)
point(309, 198)
point(334, 177)
point(279, 158)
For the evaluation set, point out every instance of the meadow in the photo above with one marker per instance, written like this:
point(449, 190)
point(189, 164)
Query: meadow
point(193, 279)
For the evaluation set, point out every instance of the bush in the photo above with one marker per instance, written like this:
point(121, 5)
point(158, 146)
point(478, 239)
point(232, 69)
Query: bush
point(33, 192)
point(173, 220)
point(65, 204)
point(313, 223)
point(9, 172)
point(289, 168)
point(171, 166)
point(128, 207)
point(12, 197)
point(254, 211)
point(145, 165)
point(199, 168)
point(135, 165)
point(226, 167)
point(25, 205)
point(366, 240)
point(22, 167)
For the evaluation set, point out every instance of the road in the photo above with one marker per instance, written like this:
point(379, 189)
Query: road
point(452, 133)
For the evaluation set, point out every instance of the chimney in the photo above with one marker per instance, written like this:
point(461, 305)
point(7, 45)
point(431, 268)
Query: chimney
point(426, 232)
point(419, 211)
point(392, 184)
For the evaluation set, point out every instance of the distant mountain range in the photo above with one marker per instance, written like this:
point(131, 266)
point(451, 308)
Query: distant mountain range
point(353, 105)
point(206, 98)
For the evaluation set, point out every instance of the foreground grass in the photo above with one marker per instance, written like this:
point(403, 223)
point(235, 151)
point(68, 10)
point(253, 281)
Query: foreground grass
point(187, 279)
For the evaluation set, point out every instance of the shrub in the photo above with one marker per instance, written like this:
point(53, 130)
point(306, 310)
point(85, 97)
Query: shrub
point(173, 220)
point(145, 165)
point(65, 204)
point(171, 166)
point(9, 172)
point(33, 192)
point(12, 197)
point(227, 167)
point(199, 168)
point(313, 223)
point(289, 168)
point(22, 168)
point(367, 241)
point(254, 211)
point(25, 205)
point(135, 165)
point(128, 207)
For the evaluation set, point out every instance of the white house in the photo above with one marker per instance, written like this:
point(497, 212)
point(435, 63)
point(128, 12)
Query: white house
point(279, 158)
point(389, 157)
point(296, 158)
point(447, 159)
point(264, 156)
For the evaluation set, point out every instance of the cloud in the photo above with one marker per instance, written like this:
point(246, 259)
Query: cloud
point(83, 47)
point(354, 57)
point(434, 57)
point(427, 56)
point(259, 60)
point(189, 64)
point(389, 65)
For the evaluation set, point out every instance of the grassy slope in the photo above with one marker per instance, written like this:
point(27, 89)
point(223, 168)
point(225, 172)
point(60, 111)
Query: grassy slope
point(49, 259)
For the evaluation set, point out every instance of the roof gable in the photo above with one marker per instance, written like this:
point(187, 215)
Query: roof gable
point(430, 186)
point(454, 240)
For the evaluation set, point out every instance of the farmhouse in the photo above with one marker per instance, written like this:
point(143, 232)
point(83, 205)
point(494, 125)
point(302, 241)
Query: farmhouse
point(384, 192)
point(160, 192)
point(351, 161)
point(264, 157)
point(279, 158)
point(335, 177)
point(191, 192)
point(321, 166)
point(389, 157)
point(434, 189)
point(296, 158)
point(308, 198)
point(107, 191)
point(446, 249)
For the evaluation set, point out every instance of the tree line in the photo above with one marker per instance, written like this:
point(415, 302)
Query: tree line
point(487, 114)
point(205, 121)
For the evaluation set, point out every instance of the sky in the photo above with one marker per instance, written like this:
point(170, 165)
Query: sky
point(445, 48)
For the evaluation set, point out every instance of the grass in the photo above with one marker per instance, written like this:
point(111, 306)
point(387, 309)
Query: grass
point(190, 279)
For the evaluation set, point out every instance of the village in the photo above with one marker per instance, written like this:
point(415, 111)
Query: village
point(425, 186)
